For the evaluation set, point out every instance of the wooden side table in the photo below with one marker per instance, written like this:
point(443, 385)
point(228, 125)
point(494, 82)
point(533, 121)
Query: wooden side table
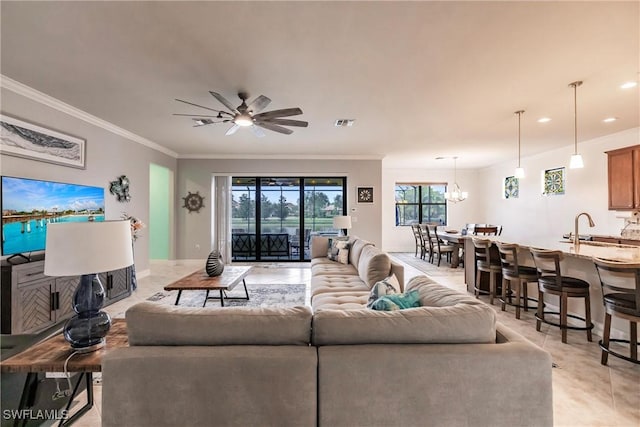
point(50, 355)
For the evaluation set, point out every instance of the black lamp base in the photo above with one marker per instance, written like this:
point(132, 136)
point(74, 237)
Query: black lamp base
point(86, 331)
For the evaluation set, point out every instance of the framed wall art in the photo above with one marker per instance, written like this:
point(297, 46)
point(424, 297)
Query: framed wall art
point(22, 139)
point(364, 194)
point(511, 187)
point(553, 181)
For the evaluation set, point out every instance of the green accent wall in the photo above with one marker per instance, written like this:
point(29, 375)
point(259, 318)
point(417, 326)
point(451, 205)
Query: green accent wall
point(159, 211)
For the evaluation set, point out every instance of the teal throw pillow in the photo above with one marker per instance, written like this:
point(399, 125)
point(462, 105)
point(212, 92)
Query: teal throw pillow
point(397, 301)
point(380, 289)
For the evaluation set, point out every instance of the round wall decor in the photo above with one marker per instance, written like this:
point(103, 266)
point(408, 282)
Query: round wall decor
point(193, 202)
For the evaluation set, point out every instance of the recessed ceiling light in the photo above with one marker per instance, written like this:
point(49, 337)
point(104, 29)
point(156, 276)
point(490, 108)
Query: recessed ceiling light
point(544, 120)
point(610, 119)
point(628, 85)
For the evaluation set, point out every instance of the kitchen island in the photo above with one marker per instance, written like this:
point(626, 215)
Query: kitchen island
point(578, 262)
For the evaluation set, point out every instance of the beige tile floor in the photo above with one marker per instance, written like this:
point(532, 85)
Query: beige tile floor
point(585, 392)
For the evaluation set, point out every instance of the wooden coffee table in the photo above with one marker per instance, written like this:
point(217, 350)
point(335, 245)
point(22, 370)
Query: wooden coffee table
point(50, 356)
point(198, 280)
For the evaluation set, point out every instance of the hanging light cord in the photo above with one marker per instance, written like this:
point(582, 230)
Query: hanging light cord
point(575, 115)
point(519, 113)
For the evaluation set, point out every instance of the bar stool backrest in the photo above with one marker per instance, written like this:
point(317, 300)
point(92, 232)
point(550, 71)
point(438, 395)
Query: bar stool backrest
point(482, 252)
point(619, 277)
point(548, 263)
point(508, 257)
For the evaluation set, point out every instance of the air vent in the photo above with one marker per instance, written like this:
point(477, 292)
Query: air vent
point(344, 122)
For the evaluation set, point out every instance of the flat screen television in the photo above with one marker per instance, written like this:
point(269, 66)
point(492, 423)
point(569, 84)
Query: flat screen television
point(28, 205)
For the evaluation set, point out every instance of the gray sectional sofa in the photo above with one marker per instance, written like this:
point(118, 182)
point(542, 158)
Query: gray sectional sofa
point(446, 363)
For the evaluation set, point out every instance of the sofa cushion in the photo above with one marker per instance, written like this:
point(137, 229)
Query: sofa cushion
point(155, 324)
point(446, 316)
point(355, 300)
point(373, 265)
point(333, 268)
point(387, 286)
point(323, 284)
point(393, 302)
point(319, 246)
point(356, 250)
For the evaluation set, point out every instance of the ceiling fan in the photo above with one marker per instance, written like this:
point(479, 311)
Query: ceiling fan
point(247, 115)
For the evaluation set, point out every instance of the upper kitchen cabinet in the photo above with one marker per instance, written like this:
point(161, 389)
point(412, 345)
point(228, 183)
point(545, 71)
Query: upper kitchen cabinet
point(624, 178)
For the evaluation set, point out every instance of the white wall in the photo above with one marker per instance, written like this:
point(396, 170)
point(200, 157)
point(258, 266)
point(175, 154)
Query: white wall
point(534, 215)
point(107, 157)
point(194, 229)
point(400, 239)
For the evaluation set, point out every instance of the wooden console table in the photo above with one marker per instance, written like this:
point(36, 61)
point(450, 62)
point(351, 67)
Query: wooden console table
point(50, 356)
point(198, 280)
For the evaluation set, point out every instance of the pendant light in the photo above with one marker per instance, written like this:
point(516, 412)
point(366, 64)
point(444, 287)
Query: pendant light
point(455, 195)
point(519, 170)
point(576, 159)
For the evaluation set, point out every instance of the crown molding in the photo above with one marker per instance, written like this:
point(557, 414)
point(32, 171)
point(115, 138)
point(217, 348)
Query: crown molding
point(278, 157)
point(49, 101)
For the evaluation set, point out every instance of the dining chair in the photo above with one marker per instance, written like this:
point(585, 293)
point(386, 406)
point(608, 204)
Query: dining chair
point(425, 248)
point(437, 246)
point(486, 230)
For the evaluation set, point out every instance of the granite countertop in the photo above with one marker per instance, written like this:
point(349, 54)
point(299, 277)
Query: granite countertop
point(624, 253)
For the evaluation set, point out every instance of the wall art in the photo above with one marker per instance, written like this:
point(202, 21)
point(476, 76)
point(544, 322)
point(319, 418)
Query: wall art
point(22, 139)
point(553, 182)
point(511, 187)
point(364, 194)
point(120, 188)
point(193, 202)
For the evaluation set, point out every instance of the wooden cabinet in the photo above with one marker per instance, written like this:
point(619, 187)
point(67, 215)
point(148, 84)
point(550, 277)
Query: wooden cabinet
point(32, 302)
point(624, 178)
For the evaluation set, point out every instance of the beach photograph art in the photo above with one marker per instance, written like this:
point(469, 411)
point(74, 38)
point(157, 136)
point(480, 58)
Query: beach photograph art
point(22, 139)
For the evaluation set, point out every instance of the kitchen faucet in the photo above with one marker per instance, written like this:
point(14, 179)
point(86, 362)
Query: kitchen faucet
point(576, 236)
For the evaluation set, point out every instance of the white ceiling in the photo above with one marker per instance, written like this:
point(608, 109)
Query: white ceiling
point(422, 79)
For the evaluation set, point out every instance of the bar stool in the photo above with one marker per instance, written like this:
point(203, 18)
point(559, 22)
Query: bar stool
point(551, 281)
point(484, 264)
point(621, 297)
point(514, 273)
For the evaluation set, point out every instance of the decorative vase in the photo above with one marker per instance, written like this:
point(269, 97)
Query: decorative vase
point(214, 266)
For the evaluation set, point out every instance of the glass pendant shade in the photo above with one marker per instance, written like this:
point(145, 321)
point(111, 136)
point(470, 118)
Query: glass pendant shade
point(576, 162)
point(519, 172)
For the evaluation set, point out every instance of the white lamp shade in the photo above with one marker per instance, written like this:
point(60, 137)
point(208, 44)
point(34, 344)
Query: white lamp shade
point(342, 221)
point(519, 172)
point(76, 248)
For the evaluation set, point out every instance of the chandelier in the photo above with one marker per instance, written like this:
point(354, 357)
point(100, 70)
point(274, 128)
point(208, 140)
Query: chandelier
point(456, 194)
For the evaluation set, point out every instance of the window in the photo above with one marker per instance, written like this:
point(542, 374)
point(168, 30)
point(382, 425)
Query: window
point(421, 203)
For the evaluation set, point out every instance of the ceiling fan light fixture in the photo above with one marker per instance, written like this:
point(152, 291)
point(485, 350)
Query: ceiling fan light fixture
point(243, 120)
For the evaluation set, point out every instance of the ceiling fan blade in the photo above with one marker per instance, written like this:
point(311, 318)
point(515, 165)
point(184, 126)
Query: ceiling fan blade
point(202, 122)
point(285, 122)
point(233, 129)
point(194, 115)
point(258, 104)
point(257, 131)
point(224, 101)
point(274, 128)
point(200, 106)
point(278, 113)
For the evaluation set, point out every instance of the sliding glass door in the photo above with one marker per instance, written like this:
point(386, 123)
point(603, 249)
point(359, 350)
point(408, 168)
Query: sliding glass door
point(273, 218)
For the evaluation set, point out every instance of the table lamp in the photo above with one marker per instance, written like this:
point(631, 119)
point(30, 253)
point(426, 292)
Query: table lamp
point(85, 249)
point(342, 222)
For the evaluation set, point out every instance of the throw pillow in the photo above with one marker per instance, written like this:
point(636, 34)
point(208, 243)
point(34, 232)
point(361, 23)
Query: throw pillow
point(339, 249)
point(397, 301)
point(380, 289)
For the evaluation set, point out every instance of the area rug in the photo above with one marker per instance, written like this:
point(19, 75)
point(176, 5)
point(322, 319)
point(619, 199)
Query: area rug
point(260, 295)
